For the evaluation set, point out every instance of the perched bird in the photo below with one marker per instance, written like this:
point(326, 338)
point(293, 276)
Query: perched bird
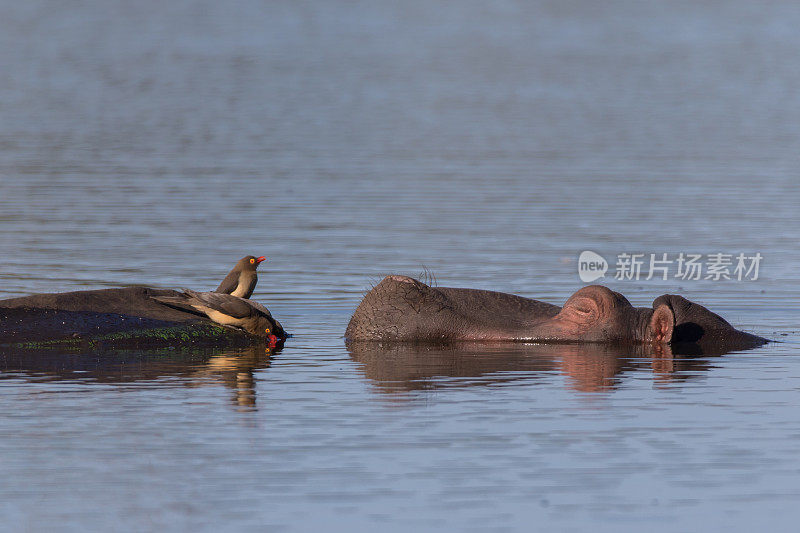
point(228, 310)
point(241, 281)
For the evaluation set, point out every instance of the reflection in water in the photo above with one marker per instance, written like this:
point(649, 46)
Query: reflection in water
point(404, 367)
point(233, 368)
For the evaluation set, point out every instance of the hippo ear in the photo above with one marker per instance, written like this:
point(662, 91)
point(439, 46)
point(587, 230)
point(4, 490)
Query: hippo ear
point(662, 324)
point(688, 311)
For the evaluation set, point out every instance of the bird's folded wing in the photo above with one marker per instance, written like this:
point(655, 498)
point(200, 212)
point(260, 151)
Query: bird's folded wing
point(224, 303)
point(230, 283)
point(260, 308)
point(178, 302)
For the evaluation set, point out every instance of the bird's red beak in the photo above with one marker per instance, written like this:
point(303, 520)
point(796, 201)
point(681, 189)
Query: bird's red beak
point(260, 259)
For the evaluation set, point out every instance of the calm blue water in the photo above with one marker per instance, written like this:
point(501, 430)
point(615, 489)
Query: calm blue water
point(152, 143)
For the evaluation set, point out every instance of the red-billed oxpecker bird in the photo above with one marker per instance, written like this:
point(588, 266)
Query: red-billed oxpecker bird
point(241, 281)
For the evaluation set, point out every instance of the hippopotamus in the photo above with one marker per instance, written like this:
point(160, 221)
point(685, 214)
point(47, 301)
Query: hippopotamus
point(122, 317)
point(401, 308)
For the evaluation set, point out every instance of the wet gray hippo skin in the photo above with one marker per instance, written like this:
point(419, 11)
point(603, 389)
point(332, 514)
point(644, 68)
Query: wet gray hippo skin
point(404, 309)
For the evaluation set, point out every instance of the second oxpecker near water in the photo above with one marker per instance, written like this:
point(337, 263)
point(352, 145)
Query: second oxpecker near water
point(229, 310)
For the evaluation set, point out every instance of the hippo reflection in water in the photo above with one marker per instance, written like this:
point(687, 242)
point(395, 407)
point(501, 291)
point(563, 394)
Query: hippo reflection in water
point(400, 308)
point(401, 367)
point(236, 369)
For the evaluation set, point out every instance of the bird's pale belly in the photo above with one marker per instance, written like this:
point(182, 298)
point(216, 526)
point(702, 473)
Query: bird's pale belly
point(216, 316)
point(241, 290)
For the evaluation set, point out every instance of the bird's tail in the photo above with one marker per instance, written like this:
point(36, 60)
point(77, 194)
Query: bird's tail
point(182, 301)
point(192, 294)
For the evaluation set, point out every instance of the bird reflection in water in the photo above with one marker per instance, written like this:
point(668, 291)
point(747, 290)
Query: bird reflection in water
point(408, 367)
point(234, 368)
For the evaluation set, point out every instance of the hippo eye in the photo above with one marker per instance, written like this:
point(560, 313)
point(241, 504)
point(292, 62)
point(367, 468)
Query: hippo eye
point(252, 261)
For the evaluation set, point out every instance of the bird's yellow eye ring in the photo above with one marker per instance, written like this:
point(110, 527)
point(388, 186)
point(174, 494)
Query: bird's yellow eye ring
point(267, 330)
point(252, 261)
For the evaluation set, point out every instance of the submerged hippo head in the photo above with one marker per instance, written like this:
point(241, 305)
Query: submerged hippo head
point(598, 314)
point(404, 309)
point(696, 325)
